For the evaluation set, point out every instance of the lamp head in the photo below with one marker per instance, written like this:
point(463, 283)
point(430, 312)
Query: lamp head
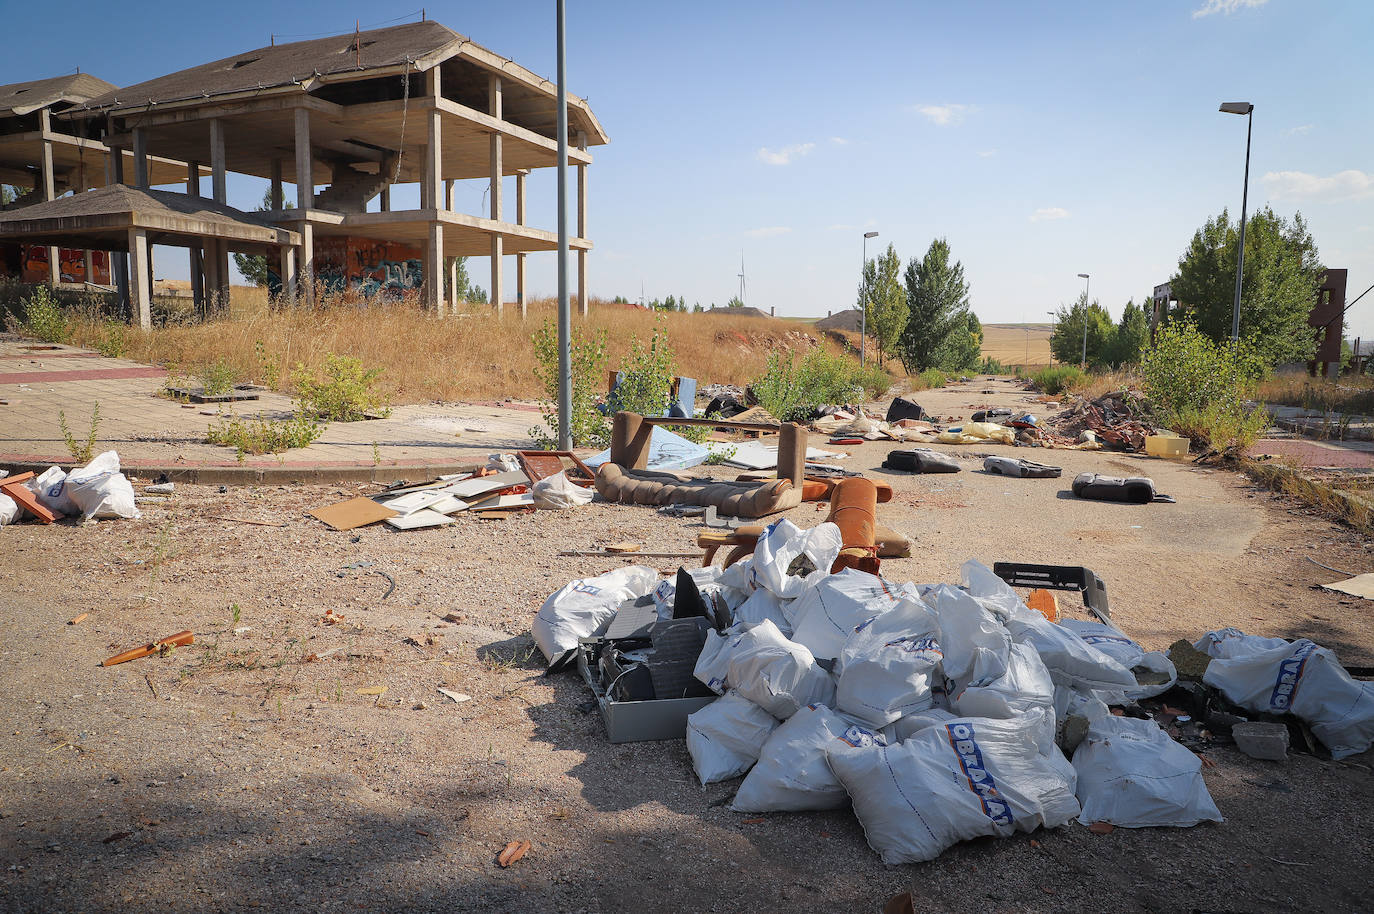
point(870, 234)
point(1236, 108)
point(1082, 275)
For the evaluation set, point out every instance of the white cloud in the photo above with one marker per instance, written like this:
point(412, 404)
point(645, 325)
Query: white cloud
point(1298, 185)
point(768, 231)
point(986, 153)
point(839, 141)
point(943, 115)
point(1049, 213)
point(784, 155)
point(1225, 7)
point(1299, 130)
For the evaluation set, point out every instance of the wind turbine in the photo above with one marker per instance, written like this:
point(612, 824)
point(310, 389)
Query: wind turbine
point(741, 277)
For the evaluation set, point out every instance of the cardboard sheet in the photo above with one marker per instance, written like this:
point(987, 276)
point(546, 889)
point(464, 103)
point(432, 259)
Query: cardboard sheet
point(1361, 585)
point(356, 512)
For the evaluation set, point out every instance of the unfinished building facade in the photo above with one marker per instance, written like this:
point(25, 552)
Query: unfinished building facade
point(344, 119)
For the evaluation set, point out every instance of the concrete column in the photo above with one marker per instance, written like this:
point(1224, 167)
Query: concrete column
point(222, 268)
point(49, 193)
point(141, 158)
point(117, 164)
point(89, 265)
point(305, 175)
point(278, 198)
point(218, 190)
point(521, 296)
point(140, 287)
point(197, 278)
point(583, 304)
point(306, 270)
point(494, 154)
point(434, 269)
point(448, 194)
point(287, 271)
point(193, 179)
point(386, 199)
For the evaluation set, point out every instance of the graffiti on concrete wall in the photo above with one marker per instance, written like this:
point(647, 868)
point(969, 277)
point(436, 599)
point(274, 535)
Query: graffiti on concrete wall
point(365, 267)
point(71, 263)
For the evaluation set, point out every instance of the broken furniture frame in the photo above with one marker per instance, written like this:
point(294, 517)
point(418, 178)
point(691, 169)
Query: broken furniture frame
point(635, 721)
point(631, 432)
point(1059, 577)
point(541, 465)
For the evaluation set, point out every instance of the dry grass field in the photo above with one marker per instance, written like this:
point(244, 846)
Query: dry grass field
point(472, 356)
point(1017, 344)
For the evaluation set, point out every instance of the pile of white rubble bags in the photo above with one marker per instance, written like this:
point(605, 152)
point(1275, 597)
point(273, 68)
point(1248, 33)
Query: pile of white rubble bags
point(97, 490)
point(937, 712)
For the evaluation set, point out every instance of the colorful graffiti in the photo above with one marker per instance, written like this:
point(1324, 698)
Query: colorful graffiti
point(364, 266)
point(71, 263)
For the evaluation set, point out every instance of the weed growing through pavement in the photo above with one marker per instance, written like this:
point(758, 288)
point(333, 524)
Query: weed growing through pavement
point(81, 452)
point(218, 378)
point(264, 436)
point(44, 318)
point(342, 392)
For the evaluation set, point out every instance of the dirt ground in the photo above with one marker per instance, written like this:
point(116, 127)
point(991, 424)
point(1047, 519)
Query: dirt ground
point(241, 773)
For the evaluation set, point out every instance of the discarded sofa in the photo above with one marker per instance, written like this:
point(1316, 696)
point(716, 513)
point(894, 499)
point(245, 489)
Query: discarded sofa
point(1021, 468)
point(920, 460)
point(1136, 490)
point(741, 499)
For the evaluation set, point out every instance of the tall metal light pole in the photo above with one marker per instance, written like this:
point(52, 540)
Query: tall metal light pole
point(863, 301)
point(564, 309)
point(1246, 109)
point(1087, 284)
point(1054, 328)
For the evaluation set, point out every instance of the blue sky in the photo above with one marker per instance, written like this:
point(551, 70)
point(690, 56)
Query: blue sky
point(1042, 140)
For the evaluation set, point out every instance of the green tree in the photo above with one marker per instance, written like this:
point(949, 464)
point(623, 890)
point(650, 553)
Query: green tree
point(253, 267)
point(463, 287)
point(1066, 344)
point(734, 302)
point(1130, 337)
point(937, 303)
point(883, 300)
point(1278, 290)
point(962, 349)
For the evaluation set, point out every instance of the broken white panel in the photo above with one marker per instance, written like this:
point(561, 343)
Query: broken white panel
point(504, 501)
point(449, 505)
point(415, 501)
point(419, 519)
point(469, 488)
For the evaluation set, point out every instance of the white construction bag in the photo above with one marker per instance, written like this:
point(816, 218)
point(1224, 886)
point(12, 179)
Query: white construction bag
point(1303, 679)
point(1132, 656)
point(976, 645)
point(792, 774)
point(1229, 643)
point(761, 605)
point(774, 673)
point(1070, 659)
point(9, 510)
point(1025, 686)
point(49, 489)
point(968, 778)
point(99, 490)
point(580, 607)
point(724, 738)
point(558, 492)
point(825, 615)
point(1131, 774)
point(889, 664)
point(915, 722)
point(787, 560)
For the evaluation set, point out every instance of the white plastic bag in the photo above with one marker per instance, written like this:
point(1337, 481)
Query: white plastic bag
point(99, 490)
point(968, 778)
point(724, 738)
point(792, 774)
point(1229, 643)
point(787, 560)
point(825, 615)
point(1304, 679)
point(9, 510)
point(49, 489)
point(762, 605)
point(1131, 774)
point(1070, 659)
point(976, 645)
point(916, 722)
point(580, 607)
point(774, 673)
point(1130, 655)
point(558, 492)
point(888, 665)
point(1025, 686)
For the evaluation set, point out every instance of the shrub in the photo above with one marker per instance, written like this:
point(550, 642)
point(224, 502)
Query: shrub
point(1058, 379)
point(932, 378)
point(587, 351)
point(218, 378)
point(989, 365)
point(81, 451)
point(792, 389)
point(646, 376)
point(264, 436)
point(1200, 387)
point(345, 392)
point(114, 339)
point(44, 318)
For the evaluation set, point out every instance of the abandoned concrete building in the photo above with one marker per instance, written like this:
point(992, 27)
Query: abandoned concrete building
point(343, 119)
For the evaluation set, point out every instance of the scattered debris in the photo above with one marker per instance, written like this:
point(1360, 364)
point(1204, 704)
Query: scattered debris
point(514, 851)
point(373, 690)
point(79, 619)
point(163, 647)
point(458, 697)
point(1261, 740)
point(355, 512)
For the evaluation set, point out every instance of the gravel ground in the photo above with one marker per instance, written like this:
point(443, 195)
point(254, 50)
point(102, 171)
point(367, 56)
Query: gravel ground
point(243, 772)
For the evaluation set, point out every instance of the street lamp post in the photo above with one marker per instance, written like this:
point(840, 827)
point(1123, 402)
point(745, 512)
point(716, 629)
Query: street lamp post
point(1054, 328)
point(1087, 284)
point(1246, 109)
point(863, 302)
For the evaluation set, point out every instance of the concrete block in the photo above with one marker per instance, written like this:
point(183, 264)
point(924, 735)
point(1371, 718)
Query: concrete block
point(1261, 740)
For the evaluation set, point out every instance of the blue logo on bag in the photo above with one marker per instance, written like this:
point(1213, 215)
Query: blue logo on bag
point(1290, 671)
point(1107, 639)
point(56, 491)
point(980, 782)
point(927, 647)
point(860, 738)
point(584, 587)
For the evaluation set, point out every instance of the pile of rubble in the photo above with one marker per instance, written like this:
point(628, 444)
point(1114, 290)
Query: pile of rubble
point(1121, 420)
point(939, 713)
